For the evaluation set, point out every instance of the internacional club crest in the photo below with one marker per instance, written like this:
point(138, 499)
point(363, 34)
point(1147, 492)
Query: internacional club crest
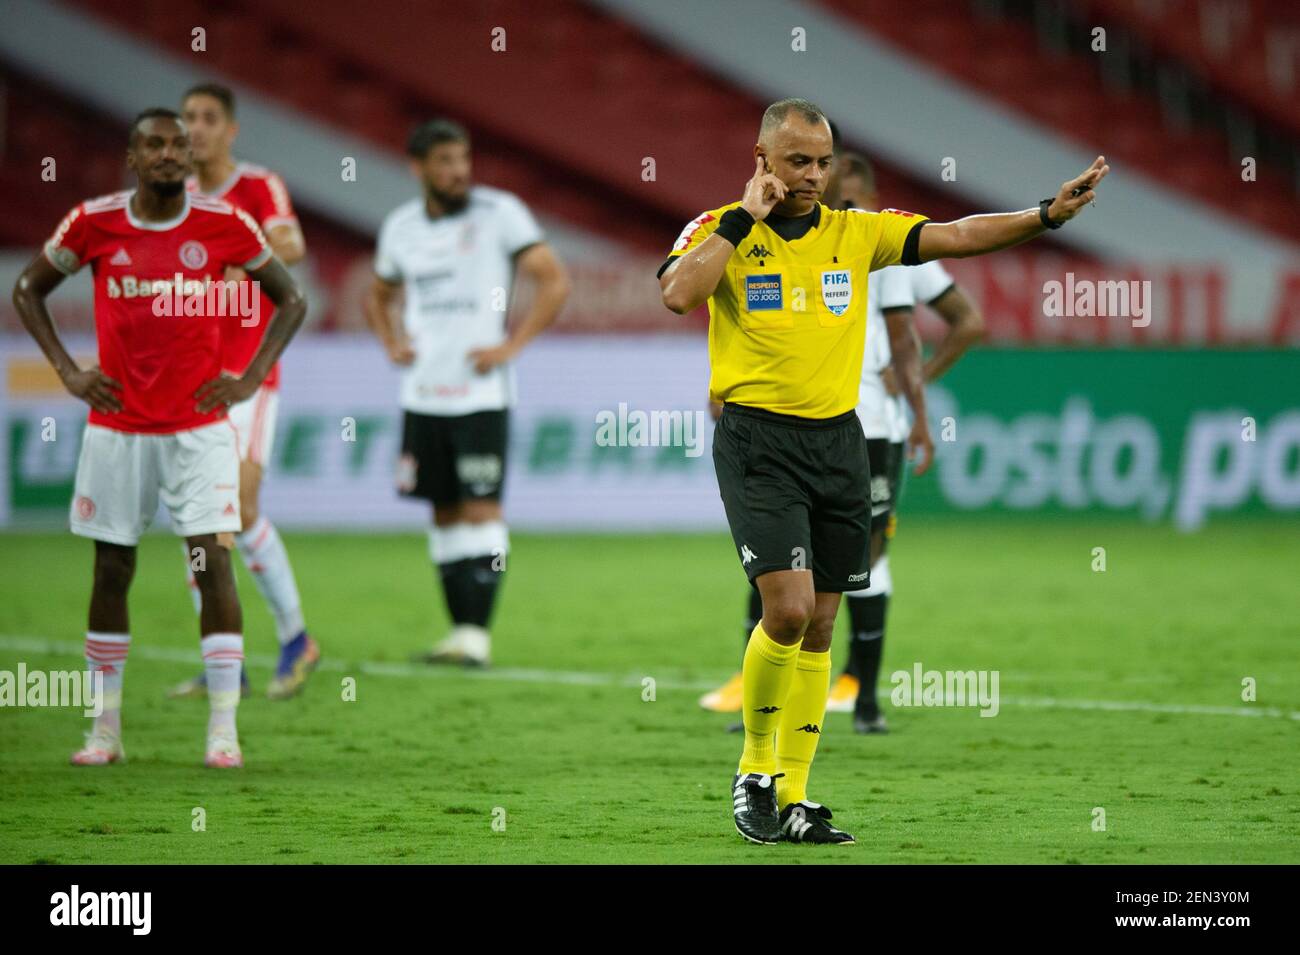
point(193, 255)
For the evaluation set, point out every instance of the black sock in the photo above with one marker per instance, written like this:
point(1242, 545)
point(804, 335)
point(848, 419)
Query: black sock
point(452, 589)
point(866, 645)
point(470, 586)
point(755, 615)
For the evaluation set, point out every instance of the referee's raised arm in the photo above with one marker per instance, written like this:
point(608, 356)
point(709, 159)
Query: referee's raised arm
point(976, 235)
point(688, 282)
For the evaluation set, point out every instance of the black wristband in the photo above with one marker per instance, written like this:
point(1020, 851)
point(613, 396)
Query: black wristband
point(1042, 214)
point(734, 226)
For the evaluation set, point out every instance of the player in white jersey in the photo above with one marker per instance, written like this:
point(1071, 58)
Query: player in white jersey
point(891, 297)
point(453, 254)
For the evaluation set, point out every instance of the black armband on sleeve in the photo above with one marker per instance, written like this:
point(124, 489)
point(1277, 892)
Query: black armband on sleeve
point(734, 226)
point(912, 245)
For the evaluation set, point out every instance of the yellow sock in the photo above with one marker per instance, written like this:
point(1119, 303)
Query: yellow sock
point(801, 724)
point(768, 670)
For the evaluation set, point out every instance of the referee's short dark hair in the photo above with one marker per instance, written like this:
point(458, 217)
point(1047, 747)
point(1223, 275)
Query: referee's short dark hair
point(222, 94)
point(775, 114)
point(153, 112)
point(435, 132)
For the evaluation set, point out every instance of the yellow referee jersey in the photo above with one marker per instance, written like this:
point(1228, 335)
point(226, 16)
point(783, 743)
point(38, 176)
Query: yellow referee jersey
point(788, 321)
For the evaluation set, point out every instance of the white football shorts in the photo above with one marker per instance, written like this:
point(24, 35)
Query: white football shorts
point(122, 475)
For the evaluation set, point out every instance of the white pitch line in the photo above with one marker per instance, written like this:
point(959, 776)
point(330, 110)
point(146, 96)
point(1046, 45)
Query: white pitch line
point(1137, 706)
point(42, 646)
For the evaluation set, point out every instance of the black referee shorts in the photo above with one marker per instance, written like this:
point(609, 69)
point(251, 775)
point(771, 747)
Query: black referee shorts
point(447, 459)
point(797, 494)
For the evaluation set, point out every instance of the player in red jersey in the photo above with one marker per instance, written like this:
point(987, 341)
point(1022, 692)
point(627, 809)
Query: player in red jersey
point(157, 427)
point(209, 113)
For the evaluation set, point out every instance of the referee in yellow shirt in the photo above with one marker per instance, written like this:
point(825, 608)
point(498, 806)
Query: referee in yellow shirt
point(786, 282)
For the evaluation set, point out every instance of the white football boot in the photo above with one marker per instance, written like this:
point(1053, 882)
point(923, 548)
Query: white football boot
point(466, 645)
point(102, 747)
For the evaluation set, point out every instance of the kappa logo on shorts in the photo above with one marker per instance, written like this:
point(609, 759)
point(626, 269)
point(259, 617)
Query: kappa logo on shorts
point(746, 555)
point(837, 290)
point(763, 293)
point(85, 508)
point(879, 488)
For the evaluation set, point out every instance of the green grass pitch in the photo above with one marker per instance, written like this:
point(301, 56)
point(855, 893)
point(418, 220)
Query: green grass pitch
point(1120, 690)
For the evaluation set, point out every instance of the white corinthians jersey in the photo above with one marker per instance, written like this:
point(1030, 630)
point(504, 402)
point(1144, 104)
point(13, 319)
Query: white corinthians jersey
point(457, 273)
point(898, 286)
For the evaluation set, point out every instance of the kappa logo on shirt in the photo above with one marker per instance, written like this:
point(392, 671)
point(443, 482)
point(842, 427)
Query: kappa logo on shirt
point(120, 257)
point(759, 251)
point(763, 293)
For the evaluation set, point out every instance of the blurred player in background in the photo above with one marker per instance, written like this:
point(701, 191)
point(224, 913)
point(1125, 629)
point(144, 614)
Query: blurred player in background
point(209, 112)
point(786, 339)
point(157, 426)
point(453, 253)
point(891, 298)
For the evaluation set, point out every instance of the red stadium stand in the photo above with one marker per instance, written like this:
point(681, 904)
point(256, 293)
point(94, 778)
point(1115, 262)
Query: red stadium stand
point(89, 154)
point(573, 140)
point(1249, 49)
point(1002, 57)
point(87, 151)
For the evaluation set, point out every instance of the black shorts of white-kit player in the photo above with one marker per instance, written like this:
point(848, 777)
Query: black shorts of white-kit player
point(796, 494)
point(886, 459)
point(447, 459)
